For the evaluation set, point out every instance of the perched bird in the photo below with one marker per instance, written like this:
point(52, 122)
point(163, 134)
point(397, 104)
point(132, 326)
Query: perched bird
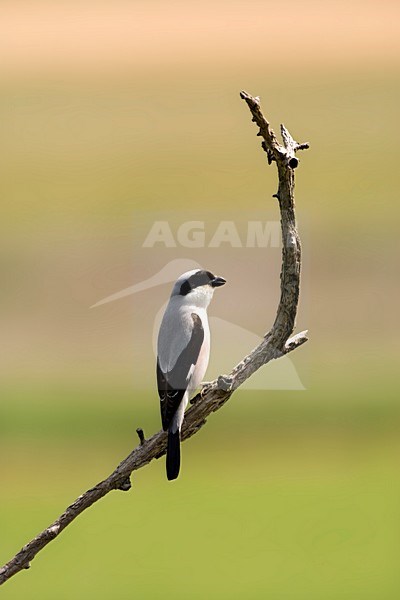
point(183, 350)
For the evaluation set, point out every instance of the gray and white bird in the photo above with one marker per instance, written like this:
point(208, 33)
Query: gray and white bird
point(183, 351)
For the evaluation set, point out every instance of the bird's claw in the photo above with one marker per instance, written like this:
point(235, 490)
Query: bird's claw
point(206, 385)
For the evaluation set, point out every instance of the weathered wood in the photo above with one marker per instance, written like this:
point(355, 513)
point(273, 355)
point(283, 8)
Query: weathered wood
point(276, 343)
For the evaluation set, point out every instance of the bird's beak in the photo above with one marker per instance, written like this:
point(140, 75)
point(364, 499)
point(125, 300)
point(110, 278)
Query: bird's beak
point(218, 281)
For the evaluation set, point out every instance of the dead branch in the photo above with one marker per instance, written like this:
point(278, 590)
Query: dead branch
point(276, 343)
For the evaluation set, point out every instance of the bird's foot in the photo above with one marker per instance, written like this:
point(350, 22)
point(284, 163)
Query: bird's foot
point(205, 388)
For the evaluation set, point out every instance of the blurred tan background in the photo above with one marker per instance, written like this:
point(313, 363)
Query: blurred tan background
point(118, 114)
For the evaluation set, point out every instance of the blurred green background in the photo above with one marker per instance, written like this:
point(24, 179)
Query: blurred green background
point(113, 111)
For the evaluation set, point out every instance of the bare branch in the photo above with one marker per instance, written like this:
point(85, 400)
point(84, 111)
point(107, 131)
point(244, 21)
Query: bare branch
point(276, 343)
point(140, 433)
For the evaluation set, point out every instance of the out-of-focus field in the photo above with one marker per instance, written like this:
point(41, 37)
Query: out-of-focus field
point(286, 495)
point(279, 495)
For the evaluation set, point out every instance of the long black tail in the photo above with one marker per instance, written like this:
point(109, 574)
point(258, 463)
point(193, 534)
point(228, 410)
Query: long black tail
point(173, 454)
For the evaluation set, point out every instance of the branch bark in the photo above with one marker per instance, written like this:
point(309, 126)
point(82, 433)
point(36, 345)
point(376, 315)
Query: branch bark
point(276, 343)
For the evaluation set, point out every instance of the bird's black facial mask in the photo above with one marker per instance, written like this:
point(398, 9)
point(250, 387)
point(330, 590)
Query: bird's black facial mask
point(200, 278)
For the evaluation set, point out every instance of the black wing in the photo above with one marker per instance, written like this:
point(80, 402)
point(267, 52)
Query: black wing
point(173, 384)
